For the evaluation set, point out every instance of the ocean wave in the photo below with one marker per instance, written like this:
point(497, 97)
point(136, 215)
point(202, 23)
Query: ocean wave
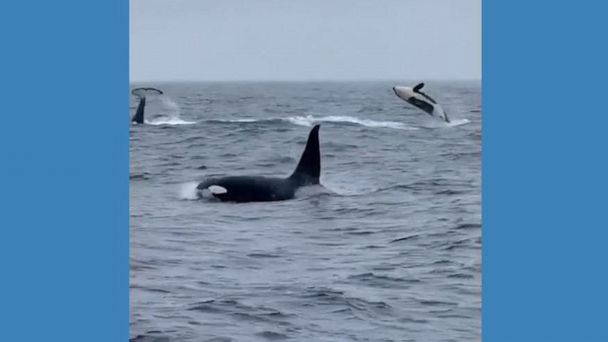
point(307, 121)
point(238, 120)
point(434, 123)
point(169, 121)
point(383, 281)
point(458, 122)
point(139, 175)
point(341, 303)
point(310, 120)
point(150, 338)
point(242, 311)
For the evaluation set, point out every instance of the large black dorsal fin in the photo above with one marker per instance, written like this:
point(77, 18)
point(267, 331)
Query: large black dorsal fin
point(418, 87)
point(308, 170)
point(139, 114)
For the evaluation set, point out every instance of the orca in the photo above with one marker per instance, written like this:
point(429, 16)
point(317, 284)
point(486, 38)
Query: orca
point(418, 99)
point(141, 93)
point(265, 189)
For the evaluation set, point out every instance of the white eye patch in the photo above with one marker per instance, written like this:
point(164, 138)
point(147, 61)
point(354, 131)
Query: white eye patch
point(217, 190)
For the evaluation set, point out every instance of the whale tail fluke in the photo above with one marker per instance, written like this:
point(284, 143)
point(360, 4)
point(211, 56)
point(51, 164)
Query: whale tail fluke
point(141, 94)
point(308, 170)
point(139, 114)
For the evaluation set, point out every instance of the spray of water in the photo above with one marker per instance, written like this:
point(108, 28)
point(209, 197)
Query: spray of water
point(187, 191)
point(171, 115)
point(173, 109)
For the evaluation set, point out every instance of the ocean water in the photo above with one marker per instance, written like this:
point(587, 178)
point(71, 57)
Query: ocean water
point(388, 249)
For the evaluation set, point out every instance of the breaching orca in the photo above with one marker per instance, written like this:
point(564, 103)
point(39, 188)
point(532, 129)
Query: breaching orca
point(141, 93)
point(264, 189)
point(417, 98)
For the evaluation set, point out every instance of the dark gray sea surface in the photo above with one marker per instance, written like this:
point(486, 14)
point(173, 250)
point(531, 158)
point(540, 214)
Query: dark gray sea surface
point(388, 249)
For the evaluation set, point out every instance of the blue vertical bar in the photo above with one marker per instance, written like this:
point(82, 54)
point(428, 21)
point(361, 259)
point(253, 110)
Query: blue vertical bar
point(64, 170)
point(544, 171)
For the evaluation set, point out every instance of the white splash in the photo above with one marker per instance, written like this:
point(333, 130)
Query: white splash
point(171, 115)
point(313, 191)
point(188, 191)
point(168, 120)
point(240, 120)
point(172, 106)
point(458, 122)
point(309, 120)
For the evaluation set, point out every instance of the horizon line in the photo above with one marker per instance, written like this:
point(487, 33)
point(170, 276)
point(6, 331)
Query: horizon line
point(472, 79)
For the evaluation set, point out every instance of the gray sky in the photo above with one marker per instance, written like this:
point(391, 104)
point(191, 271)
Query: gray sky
point(204, 40)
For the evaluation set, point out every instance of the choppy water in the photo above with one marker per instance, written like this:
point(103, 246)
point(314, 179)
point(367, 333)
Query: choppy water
point(391, 251)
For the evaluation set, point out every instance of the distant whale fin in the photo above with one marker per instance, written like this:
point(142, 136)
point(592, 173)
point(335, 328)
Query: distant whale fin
point(445, 116)
point(418, 87)
point(139, 114)
point(308, 170)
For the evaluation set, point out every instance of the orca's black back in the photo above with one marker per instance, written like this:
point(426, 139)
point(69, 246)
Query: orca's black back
point(252, 189)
